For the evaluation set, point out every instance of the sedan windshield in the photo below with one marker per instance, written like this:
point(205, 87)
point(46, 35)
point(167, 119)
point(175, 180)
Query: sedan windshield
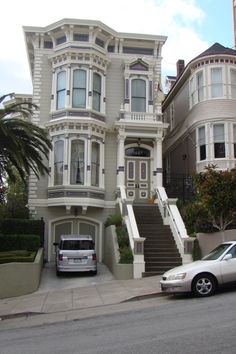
point(217, 252)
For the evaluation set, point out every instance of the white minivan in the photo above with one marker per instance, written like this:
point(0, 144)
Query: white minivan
point(75, 253)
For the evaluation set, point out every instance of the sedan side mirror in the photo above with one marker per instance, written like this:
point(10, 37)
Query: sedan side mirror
point(227, 257)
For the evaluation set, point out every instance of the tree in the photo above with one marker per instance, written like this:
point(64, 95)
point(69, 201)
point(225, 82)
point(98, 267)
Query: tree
point(23, 145)
point(216, 195)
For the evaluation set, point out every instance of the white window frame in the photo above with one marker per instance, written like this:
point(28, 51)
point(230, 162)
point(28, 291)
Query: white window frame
point(199, 144)
point(215, 84)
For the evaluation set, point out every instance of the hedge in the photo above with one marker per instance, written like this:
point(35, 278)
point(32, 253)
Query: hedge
point(19, 242)
point(17, 256)
point(21, 226)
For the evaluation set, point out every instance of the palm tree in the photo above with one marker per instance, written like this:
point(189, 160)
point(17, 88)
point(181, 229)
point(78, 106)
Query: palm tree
point(23, 145)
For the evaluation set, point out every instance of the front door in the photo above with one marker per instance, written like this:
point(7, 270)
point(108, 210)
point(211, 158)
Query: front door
point(138, 179)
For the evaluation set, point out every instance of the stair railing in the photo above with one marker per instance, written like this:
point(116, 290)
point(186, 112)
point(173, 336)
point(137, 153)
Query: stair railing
point(136, 242)
point(171, 216)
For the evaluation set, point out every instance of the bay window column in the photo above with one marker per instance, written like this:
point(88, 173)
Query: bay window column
point(121, 159)
point(53, 95)
point(90, 88)
point(158, 170)
point(66, 177)
point(89, 161)
point(68, 93)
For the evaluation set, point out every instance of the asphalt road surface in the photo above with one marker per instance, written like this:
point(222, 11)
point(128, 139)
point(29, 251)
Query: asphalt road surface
point(170, 325)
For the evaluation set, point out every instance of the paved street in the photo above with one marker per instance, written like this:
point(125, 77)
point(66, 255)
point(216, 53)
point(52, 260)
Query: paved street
point(173, 325)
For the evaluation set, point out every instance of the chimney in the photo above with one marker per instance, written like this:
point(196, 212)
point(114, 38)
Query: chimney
point(180, 67)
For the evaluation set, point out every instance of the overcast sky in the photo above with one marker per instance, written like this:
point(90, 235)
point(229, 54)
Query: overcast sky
point(191, 26)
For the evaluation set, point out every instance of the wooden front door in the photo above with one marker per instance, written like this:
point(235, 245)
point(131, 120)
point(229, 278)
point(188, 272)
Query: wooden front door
point(138, 179)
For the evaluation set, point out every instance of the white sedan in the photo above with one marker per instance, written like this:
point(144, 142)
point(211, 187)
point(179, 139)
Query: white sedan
point(203, 277)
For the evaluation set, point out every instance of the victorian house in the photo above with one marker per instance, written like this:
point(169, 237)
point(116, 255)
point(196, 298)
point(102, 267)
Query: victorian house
point(200, 109)
point(98, 96)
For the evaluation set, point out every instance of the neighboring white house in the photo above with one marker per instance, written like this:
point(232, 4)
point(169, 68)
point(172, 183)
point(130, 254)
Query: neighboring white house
point(98, 95)
point(200, 109)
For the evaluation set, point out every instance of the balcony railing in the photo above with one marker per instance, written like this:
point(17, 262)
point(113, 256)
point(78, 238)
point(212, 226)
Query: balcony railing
point(141, 117)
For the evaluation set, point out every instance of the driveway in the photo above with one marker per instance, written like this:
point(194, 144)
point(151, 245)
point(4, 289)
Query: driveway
point(50, 281)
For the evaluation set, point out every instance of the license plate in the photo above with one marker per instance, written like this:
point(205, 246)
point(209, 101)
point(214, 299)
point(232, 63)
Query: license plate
point(77, 260)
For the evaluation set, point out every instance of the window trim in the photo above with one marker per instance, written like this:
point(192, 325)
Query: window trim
point(218, 141)
point(98, 93)
point(84, 161)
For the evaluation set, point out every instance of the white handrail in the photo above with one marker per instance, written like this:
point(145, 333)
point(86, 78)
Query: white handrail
point(171, 215)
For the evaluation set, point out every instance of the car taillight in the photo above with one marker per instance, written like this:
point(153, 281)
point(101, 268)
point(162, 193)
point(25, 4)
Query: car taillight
point(60, 257)
point(94, 257)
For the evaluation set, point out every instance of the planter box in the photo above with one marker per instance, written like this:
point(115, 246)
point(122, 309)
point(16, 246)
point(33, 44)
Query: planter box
point(19, 278)
point(111, 256)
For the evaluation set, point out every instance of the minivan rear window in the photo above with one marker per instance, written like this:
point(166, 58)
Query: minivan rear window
point(76, 245)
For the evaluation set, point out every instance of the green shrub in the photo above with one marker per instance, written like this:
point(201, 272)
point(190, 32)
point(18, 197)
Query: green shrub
point(122, 237)
point(114, 219)
point(19, 242)
point(126, 255)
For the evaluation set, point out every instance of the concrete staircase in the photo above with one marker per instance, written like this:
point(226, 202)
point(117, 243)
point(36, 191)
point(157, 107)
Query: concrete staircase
point(160, 250)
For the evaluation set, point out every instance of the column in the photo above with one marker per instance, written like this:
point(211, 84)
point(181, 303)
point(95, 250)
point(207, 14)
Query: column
point(90, 88)
point(68, 88)
point(121, 159)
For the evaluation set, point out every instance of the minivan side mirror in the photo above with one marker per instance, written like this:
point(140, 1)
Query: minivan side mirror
point(227, 257)
point(55, 244)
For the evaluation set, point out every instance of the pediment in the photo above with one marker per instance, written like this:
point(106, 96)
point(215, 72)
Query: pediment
point(139, 65)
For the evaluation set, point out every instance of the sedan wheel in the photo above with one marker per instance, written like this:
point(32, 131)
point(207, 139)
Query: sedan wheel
point(204, 285)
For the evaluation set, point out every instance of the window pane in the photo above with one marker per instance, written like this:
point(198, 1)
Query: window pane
point(138, 103)
point(216, 82)
point(79, 89)
point(61, 89)
point(77, 162)
point(219, 149)
point(79, 79)
point(203, 152)
point(96, 92)
point(200, 86)
point(201, 136)
point(219, 133)
point(58, 162)
point(95, 159)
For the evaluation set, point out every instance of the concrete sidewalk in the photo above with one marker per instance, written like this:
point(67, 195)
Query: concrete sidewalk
point(77, 293)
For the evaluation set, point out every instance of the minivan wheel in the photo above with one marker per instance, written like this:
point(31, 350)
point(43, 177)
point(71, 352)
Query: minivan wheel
point(204, 285)
point(58, 273)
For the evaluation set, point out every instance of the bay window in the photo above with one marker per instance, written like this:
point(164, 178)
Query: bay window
point(138, 95)
point(58, 162)
point(61, 90)
point(79, 89)
point(219, 141)
point(77, 164)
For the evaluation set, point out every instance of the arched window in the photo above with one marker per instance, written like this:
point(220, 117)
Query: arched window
point(58, 162)
point(97, 86)
point(95, 164)
point(77, 162)
point(138, 95)
point(79, 89)
point(61, 89)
